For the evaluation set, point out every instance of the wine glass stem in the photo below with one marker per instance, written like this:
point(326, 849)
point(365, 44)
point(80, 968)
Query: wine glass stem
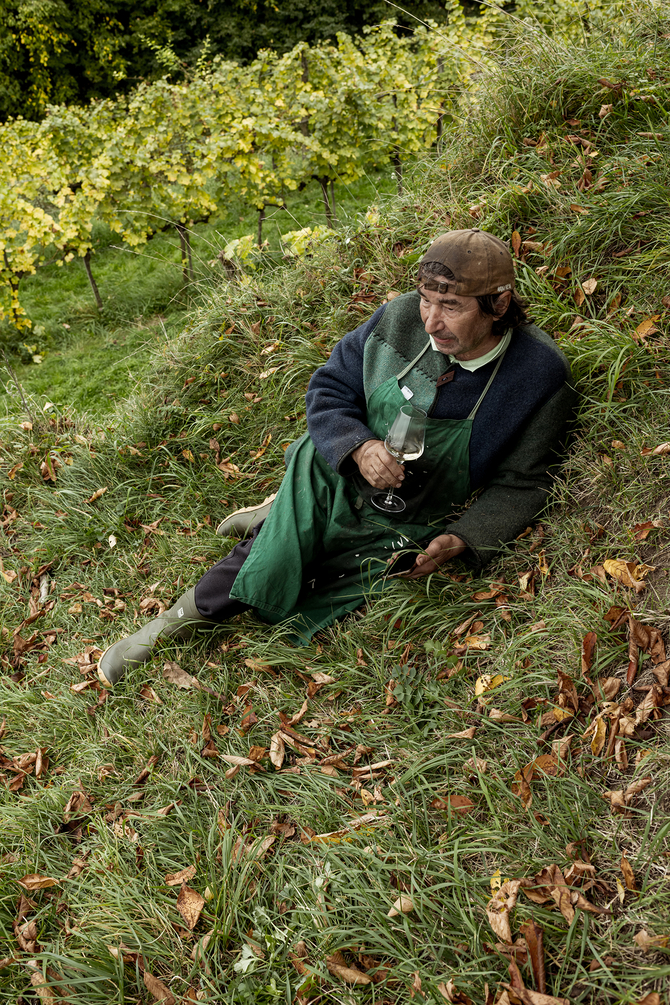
point(389, 497)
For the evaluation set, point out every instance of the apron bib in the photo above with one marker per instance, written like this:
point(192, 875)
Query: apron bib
point(324, 548)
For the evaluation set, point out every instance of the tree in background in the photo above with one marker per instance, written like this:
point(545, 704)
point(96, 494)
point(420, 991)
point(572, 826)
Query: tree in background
point(70, 51)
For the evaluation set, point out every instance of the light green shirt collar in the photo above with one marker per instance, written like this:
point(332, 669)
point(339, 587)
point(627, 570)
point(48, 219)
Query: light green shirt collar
point(474, 364)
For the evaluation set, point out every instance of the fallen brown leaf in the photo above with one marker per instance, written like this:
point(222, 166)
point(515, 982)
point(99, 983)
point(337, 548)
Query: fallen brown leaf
point(96, 495)
point(338, 967)
point(499, 716)
point(606, 688)
point(534, 935)
point(403, 905)
point(277, 750)
point(78, 865)
point(640, 637)
point(646, 941)
point(499, 907)
point(662, 672)
point(299, 714)
point(35, 881)
point(620, 754)
point(630, 574)
point(549, 884)
point(641, 531)
point(475, 766)
point(545, 764)
point(40, 983)
point(457, 804)
point(173, 673)
point(79, 804)
point(598, 733)
point(628, 874)
point(620, 798)
point(647, 326)
point(26, 936)
point(183, 876)
point(452, 994)
point(157, 989)
point(239, 761)
point(190, 905)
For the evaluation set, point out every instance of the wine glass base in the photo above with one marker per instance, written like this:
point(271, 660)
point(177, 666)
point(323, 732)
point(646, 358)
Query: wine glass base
point(382, 502)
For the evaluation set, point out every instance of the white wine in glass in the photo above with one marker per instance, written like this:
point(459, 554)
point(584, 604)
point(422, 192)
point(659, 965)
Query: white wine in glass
point(404, 442)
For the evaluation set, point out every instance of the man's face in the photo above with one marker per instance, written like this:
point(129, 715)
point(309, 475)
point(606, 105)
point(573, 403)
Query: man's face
point(457, 324)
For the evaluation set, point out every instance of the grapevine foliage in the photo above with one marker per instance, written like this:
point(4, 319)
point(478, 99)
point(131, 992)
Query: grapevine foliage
point(171, 153)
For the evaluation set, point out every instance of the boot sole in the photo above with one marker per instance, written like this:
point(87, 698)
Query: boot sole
point(101, 677)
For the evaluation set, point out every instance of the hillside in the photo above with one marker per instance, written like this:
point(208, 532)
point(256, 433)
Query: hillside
point(449, 739)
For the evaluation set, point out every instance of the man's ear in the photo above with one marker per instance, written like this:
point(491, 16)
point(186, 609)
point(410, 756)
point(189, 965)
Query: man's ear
point(503, 302)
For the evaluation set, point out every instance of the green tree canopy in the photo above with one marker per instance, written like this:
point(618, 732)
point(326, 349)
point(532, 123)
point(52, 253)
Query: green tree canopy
point(70, 51)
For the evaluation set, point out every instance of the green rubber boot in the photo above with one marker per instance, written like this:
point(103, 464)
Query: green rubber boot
point(181, 621)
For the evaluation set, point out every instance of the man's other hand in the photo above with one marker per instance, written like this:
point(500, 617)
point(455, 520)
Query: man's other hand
point(440, 550)
point(377, 466)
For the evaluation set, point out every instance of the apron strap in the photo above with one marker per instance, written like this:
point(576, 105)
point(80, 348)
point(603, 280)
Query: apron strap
point(483, 394)
point(403, 373)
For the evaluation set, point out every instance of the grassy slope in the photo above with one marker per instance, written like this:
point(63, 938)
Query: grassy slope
point(335, 894)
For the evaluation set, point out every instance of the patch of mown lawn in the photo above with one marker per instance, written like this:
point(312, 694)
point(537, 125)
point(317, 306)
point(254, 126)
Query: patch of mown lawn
point(439, 745)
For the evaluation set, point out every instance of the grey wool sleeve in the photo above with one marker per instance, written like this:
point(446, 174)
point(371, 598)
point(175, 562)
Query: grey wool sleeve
point(519, 487)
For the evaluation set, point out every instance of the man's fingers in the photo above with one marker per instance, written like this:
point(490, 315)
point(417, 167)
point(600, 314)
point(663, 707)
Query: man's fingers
point(391, 476)
point(383, 474)
point(377, 466)
point(422, 567)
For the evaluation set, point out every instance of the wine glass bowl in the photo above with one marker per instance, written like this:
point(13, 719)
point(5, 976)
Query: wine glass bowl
point(404, 442)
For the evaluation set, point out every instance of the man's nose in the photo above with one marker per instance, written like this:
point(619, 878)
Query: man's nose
point(434, 321)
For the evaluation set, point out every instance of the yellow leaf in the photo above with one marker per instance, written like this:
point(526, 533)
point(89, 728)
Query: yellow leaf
point(647, 326)
point(487, 682)
point(599, 736)
point(628, 574)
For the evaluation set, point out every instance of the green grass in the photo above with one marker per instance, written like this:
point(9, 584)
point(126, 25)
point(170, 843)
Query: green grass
point(335, 894)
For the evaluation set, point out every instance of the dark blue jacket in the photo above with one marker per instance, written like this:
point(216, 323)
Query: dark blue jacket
point(517, 434)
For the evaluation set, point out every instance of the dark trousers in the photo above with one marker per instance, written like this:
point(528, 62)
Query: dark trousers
point(212, 592)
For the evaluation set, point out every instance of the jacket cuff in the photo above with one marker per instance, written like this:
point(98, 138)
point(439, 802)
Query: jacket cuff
point(473, 555)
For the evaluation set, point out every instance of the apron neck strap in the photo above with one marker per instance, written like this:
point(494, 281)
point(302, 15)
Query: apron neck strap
point(403, 373)
point(490, 381)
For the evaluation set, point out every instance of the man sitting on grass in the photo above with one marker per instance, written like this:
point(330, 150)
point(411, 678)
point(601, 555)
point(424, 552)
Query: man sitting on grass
point(496, 395)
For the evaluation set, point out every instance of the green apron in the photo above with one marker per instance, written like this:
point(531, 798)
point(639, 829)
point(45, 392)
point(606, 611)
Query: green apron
point(323, 548)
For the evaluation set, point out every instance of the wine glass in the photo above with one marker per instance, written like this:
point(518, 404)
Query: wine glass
point(404, 442)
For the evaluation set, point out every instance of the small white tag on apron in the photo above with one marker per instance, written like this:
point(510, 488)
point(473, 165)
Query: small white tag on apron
point(406, 392)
